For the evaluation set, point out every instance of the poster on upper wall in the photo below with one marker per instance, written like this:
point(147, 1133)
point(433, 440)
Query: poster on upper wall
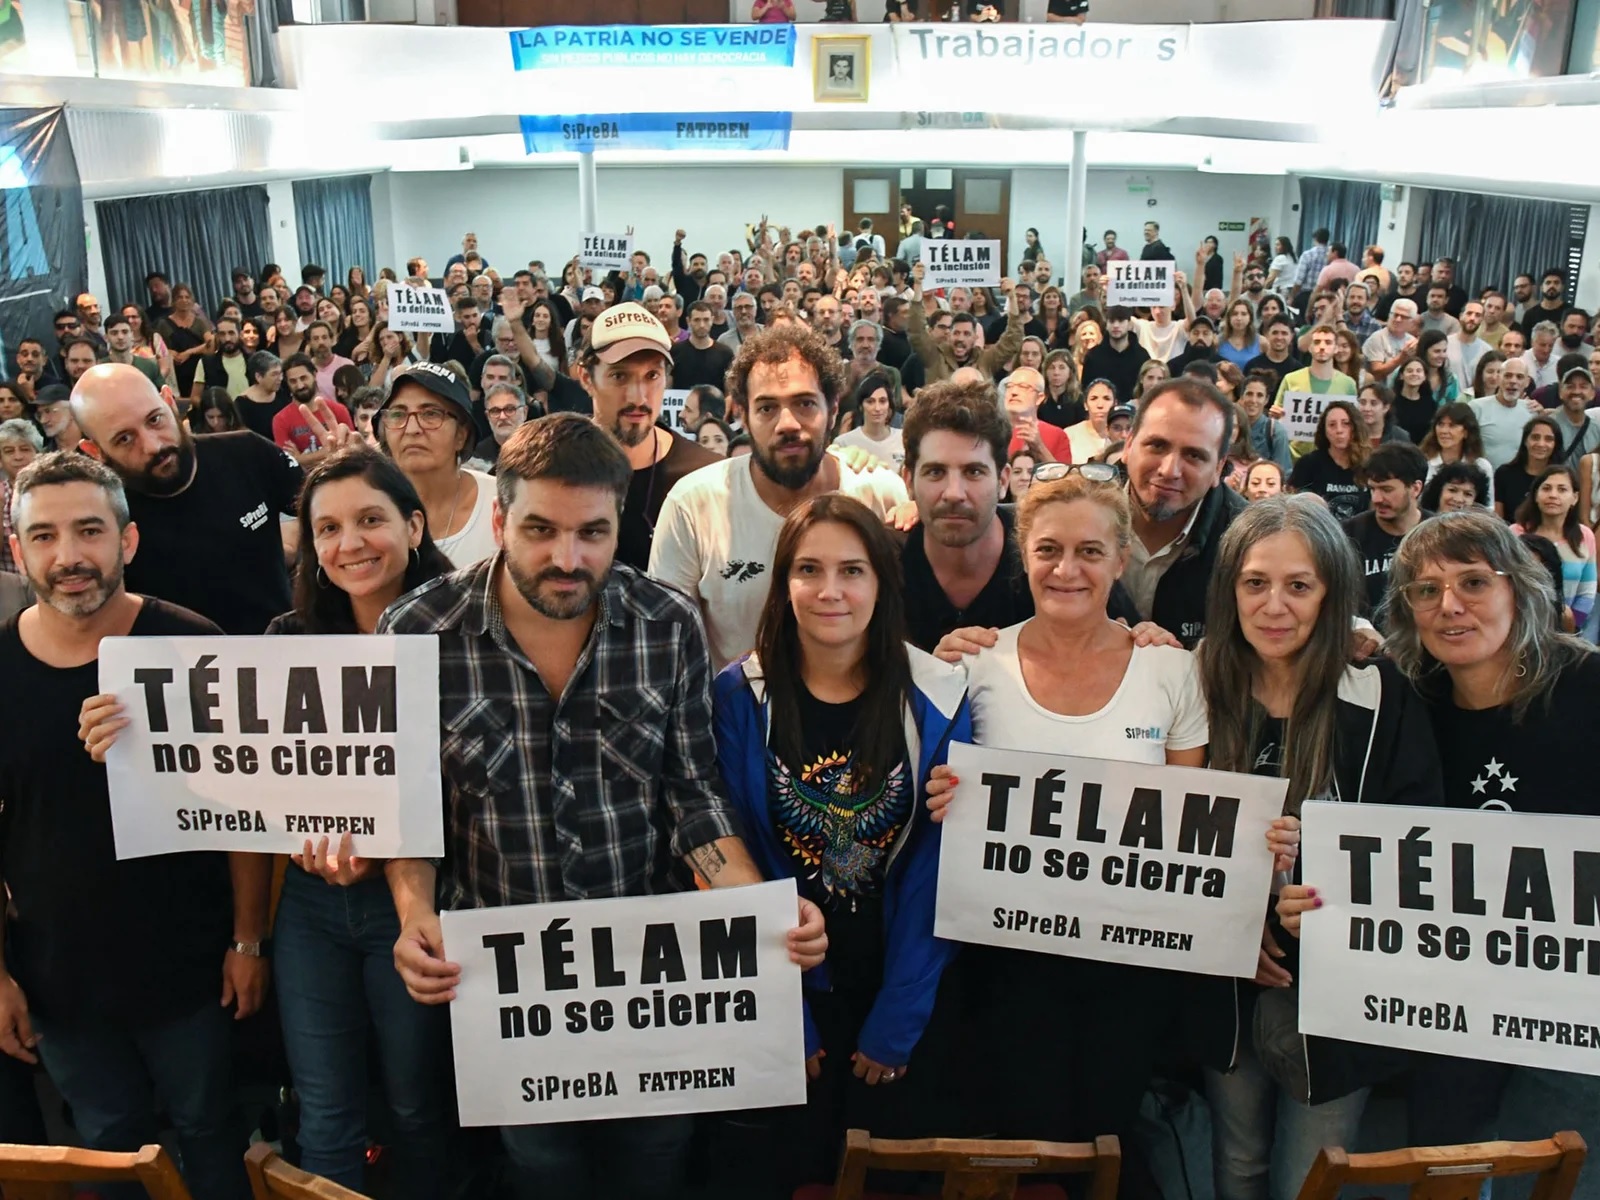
point(1484, 40)
point(584, 47)
point(547, 134)
point(43, 263)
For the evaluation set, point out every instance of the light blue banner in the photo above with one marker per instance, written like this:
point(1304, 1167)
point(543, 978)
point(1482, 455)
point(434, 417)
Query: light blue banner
point(557, 46)
point(657, 131)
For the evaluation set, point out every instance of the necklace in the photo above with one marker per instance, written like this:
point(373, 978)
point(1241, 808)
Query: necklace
point(444, 530)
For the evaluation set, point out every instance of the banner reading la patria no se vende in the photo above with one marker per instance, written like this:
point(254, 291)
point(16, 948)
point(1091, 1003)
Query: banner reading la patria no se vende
point(264, 743)
point(644, 1006)
point(1473, 933)
point(557, 47)
point(1123, 862)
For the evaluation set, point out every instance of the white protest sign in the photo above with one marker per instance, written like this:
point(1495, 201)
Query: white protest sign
point(419, 309)
point(1140, 284)
point(672, 401)
point(955, 262)
point(1155, 866)
point(259, 743)
point(1302, 411)
point(606, 251)
point(592, 1009)
point(1474, 932)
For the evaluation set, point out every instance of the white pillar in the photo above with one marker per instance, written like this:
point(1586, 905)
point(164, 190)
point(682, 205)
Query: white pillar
point(1077, 204)
point(586, 192)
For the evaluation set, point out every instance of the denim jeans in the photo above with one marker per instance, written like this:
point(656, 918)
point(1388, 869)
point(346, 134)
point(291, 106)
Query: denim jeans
point(114, 1078)
point(640, 1157)
point(1263, 1140)
point(334, 957)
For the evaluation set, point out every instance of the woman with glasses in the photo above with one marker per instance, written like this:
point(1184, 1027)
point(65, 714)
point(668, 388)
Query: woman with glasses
point(1283, 701)
point(1071, 681)
point(1471, 623)
point(427, 428)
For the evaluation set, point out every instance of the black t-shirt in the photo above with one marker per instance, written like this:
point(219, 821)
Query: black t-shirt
point(1262, 363)
point(1069, 8)
point(1063, 414)
point(692, 367)
point(1318, 473)
point(1120, 368)
point(1532, 767)
point(215, 547)
point(647, 492)
point(1511, 484)
point(134, 942)
point(1004, 601)
point(258, 417)
point(1376, 546)
point(1414, 416)
point(1267, 758)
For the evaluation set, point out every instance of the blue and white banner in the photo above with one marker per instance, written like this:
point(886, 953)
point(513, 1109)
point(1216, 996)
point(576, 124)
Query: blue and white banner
point(657, 131)
point(568, 46)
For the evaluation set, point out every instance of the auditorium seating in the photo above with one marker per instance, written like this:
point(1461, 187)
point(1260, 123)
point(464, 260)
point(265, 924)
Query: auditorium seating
point(1451, 1172)
point(977, 1170)
point(54, 1172)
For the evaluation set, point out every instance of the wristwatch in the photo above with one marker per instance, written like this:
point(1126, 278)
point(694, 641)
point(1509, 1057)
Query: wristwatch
point(248, 949)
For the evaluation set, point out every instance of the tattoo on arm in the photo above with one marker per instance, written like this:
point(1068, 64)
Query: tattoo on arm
point(708, 860)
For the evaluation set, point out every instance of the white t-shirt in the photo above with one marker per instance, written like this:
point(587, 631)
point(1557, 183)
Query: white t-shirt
point(474, 542)
point(1163, 342)
point(1157, 707)
point(891, 450)
point(1501, 428)
point(715, 539)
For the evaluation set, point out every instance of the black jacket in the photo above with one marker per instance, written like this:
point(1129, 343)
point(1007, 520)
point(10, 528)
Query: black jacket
point(1180, 602)
point(1384, 753)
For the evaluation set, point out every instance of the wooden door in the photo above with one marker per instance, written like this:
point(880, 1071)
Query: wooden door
point(872, 192)
point(983, 205)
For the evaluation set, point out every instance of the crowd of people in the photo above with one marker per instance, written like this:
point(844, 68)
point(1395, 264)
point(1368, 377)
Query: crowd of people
point(738, 645)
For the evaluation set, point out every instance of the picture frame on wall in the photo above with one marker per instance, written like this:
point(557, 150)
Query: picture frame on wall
point(841, 68)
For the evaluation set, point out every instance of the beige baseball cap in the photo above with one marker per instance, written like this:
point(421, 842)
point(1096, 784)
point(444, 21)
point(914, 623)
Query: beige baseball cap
point(626, 329)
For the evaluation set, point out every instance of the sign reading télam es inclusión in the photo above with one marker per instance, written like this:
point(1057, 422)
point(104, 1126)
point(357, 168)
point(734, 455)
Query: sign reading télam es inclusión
point(1123, 862)
point(259, 744)
point(960, 262)
point(648, 1006)
point(1474, 933)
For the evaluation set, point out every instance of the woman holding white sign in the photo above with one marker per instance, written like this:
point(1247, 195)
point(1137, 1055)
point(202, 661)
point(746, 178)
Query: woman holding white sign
point(826, 735)
point(1072, 681)
point(363, 543)
point(1471, 622)
point(1285, 591)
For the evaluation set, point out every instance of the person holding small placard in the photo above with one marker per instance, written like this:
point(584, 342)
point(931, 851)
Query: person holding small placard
point(1330, 470)
point(1471, 623)
point(1072, 681)
point(1281, 600)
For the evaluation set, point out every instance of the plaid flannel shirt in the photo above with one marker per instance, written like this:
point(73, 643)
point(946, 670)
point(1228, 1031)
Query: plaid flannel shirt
point(599, 793)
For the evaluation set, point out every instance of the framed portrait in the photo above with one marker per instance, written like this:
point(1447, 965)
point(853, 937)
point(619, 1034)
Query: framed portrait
point(841, 68)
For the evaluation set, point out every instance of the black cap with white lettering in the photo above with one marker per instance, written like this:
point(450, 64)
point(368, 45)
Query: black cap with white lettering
point(441, 381)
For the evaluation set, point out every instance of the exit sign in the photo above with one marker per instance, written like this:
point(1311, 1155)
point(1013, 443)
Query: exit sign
point(1230, 226)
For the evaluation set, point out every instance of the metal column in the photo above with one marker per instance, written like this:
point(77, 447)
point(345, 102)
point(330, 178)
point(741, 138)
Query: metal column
point(1077, 203)
point(586, 192)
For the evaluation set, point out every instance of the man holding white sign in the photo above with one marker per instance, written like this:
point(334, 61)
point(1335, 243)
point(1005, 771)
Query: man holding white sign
point(419, 309)
point(961, 263)
point(575, 717)
point(606, 252)
point(1143, 284)
point(112, 973)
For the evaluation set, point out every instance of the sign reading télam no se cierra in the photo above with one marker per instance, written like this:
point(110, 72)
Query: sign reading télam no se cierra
point(257, 744)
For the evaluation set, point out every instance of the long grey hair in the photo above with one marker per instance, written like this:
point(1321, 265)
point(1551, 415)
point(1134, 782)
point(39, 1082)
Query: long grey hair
point(1229, 664)
point(1538, 651)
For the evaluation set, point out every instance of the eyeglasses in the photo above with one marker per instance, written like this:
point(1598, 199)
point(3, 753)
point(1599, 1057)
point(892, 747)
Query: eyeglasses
point(428, 419)
point(495, 414)
point(1471, 588)
point(66, 326)
point(1092, 471)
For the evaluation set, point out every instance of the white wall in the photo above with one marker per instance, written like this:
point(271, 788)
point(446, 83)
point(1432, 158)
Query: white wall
point(1188, 205)
point(533, 213)
point(285, 231)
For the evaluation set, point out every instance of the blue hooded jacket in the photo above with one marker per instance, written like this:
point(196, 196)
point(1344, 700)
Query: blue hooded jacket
point(936, 715)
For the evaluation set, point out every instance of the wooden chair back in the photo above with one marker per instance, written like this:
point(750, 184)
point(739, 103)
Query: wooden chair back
point(980, 1170)
point(271, 1178)
point(57, 1172)
point(1451, 1172)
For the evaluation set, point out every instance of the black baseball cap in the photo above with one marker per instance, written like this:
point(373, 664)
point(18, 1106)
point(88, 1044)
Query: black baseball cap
point(1202, 319)
point(53, 393)
point(441, 381)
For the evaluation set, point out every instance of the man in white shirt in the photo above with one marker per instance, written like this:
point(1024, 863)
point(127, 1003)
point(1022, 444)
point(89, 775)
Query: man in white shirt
point(1384, 349)
point(1541, 355)
point(1502, 415)
point(787, 383)
point(1466, 347)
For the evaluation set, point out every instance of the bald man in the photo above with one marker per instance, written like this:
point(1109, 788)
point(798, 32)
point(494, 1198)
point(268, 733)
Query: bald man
point(208, 509)
point(1024, 392)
